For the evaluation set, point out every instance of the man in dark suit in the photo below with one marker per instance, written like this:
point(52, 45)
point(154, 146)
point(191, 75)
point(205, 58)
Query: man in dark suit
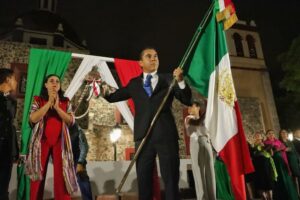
point(296, 142)
point(8, 139)
point(147, 92)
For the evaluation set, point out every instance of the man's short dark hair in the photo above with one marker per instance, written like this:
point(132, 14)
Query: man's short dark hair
point(143, 49)
point(4, 74)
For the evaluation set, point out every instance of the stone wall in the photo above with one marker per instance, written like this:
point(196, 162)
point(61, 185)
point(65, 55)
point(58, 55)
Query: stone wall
point(251, 116)
point(101, 123)
point(14, 53)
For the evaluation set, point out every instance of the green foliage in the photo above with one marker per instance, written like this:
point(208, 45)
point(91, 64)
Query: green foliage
point(288, 105)
point(288, 108)
point(290, 62)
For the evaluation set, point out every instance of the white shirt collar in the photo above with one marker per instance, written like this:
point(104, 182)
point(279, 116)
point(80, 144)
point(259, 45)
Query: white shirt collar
point(154, 74)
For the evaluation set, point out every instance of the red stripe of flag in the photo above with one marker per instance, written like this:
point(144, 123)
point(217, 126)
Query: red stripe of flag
point(239, 163)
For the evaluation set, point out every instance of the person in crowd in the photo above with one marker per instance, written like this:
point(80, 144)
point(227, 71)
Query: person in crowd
point(265, 173)
point(292, 155)
point(80, 150)
point(249, 178)
point(201, 153)
point(147, 92)
point(51, 114)
point(284, 186)
point(296, 140)
point(8, 140)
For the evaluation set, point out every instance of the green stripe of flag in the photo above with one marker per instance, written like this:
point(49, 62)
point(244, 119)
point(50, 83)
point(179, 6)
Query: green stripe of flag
point(207, 54)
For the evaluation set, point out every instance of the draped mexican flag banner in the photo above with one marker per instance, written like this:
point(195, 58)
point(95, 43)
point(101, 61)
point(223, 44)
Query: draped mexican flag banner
point(127, 70)
point(209, 72)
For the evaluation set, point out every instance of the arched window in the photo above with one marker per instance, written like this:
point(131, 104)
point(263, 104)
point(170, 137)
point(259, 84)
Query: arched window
point(251, 46)
point(49, 5)
point(238, 44)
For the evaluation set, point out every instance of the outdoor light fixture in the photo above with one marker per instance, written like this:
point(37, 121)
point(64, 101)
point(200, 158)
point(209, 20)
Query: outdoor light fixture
point(115, 135)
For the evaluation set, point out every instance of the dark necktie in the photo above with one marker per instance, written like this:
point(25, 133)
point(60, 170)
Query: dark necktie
point(147, 85)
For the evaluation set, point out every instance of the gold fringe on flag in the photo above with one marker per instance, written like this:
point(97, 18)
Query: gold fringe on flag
point(230, 21)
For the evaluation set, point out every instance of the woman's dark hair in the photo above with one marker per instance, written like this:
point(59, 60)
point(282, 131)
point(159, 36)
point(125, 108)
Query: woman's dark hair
point(280, 137)
point(202, 112)
point(4, 74)
point(281, 130)
point(269, 131)
point(44, 92)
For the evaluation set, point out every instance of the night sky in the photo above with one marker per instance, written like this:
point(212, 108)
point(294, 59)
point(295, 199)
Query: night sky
point(120, 28)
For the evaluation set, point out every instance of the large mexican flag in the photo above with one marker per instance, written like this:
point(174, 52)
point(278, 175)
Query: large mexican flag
point(209, 72)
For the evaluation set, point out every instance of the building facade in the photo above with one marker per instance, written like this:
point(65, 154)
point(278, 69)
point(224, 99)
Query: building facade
point(251, 77)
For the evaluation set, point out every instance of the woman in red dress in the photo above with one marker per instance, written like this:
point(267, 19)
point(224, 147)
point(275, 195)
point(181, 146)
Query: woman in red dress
point(51, 113)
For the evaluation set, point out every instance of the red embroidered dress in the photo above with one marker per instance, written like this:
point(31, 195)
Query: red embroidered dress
point(44, 140)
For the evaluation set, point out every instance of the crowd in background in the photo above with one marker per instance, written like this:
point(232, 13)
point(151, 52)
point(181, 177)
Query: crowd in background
point(277, 167)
